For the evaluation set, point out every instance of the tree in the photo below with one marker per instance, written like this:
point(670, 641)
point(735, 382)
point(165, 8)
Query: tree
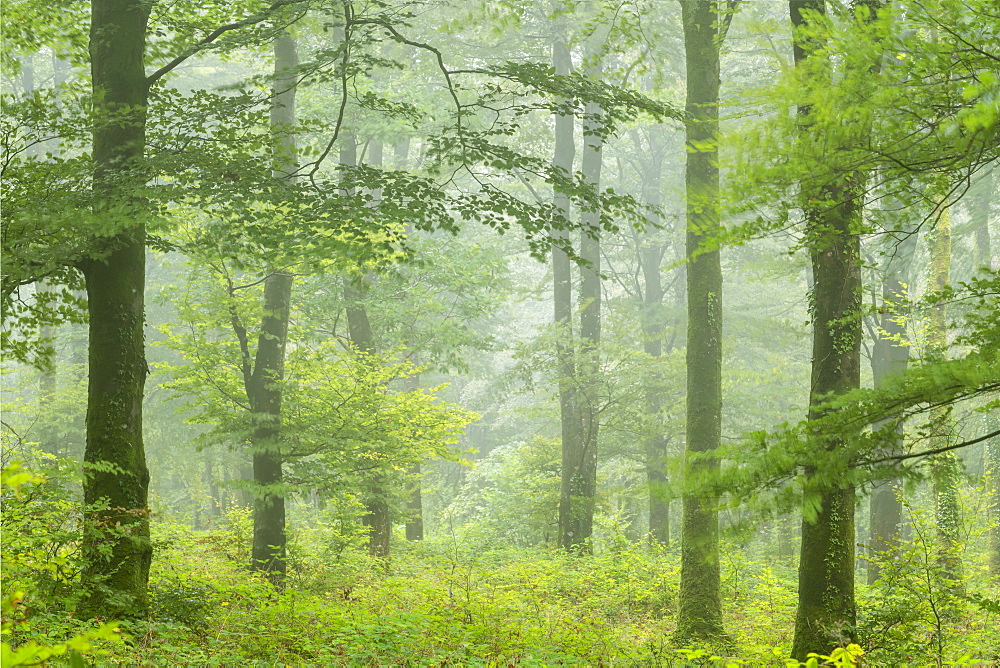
point(946, 466)
point(825, 616)
point(264, 389)
point(117, 563)
point(699, 612)
point(891, 351)
point(653, 327)
point(571, 429)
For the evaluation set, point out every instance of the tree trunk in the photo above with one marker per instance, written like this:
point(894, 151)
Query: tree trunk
point(264, 390)
point(268, 554)
point(562, 297)
point(946, 466)
point(579, 525)
point(826, 614)
point(699, 613)
point(116, 561)
point(890, 356)
point(653, 328)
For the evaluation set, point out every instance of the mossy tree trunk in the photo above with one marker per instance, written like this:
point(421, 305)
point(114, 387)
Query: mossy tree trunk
point(699, 613)
point(264, 387)
point(265, 394)
point(116, 547)
point(826, 615)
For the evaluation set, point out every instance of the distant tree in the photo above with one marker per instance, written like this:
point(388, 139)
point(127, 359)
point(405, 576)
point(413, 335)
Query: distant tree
point(890, 354)
point(946, 467)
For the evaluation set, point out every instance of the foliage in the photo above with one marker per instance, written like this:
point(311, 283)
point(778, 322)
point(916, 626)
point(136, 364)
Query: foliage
point(30, 507)
point(344, 412)
point(456, 601)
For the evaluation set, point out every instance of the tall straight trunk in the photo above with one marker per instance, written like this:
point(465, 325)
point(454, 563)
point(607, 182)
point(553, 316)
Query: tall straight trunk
point(653, 328)
point(946, 466)
point(699, 614)
point(890, 356)
point(264, 389)
point(116, 561)
point(826, 614)
point(268, 552)
point(583, 476)
point(562, 298)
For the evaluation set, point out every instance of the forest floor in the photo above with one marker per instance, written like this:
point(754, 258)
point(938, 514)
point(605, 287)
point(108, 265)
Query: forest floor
point(446, 602)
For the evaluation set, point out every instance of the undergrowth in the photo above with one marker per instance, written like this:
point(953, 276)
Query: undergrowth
point(444, 603)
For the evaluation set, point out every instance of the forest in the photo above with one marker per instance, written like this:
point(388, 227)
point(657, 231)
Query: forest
point(500, 333)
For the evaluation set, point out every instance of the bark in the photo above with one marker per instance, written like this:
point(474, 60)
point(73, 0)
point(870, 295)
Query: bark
point(890, 356)
point(116, 547)
point(946, 466)
point(826, 614)
point(264, 387)
point(700, 600)
point(269, 540)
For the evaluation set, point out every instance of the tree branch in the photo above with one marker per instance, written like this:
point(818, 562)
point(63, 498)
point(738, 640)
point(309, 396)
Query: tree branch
point(935, 451)
point(218, 32)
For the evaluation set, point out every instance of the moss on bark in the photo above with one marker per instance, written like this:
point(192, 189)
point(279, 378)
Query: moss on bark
point(699, 615)
point(116, 545)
